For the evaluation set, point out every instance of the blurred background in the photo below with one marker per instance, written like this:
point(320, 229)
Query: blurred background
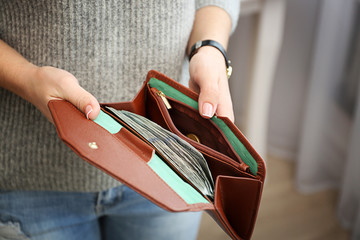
point(295, 88)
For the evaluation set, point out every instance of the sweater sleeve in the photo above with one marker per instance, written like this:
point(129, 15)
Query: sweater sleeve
point(232, 7)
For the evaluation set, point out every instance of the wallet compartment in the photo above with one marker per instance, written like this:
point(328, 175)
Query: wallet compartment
point(237, 201)
point(183, 119)
point(187, 97)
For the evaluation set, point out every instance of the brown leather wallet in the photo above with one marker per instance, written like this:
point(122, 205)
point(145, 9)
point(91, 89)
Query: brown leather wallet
point(237, 169)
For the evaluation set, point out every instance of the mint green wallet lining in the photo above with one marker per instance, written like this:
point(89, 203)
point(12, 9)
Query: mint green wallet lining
point(108, 123)
point(234, 141)
point(183, 189)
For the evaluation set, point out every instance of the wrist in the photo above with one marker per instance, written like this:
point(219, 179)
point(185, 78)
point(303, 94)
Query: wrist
point(210, 53)
point(215, 45)
point(28, 78)
point(20, 79)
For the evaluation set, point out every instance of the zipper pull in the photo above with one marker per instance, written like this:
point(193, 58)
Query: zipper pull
point(163, 97)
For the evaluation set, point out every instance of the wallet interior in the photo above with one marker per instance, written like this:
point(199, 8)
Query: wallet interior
point(226, 141)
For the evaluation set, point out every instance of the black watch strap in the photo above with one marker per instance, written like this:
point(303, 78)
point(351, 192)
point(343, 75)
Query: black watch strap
point(216, 45)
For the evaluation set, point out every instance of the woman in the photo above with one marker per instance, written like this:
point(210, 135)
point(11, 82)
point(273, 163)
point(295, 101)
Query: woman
point(85, 52)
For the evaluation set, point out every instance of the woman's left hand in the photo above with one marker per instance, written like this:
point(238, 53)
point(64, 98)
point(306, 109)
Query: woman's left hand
point(208, 78)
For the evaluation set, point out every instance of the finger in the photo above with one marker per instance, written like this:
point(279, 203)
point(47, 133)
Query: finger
point(208, 96)
point(193, 86)
point(226, 110)
point(225, 106)
point(82, 99)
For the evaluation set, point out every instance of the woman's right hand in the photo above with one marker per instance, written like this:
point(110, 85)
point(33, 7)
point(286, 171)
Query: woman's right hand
point(49, 83)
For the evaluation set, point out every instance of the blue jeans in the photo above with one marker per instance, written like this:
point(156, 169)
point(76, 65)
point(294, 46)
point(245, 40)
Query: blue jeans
point(118, 213)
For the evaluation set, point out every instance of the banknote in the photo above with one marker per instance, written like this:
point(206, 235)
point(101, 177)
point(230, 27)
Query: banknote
point(178, 153)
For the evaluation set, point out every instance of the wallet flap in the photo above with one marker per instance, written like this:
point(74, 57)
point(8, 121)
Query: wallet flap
point(116, 155)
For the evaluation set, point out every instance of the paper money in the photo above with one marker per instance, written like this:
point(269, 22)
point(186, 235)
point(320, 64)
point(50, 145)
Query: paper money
point(180, 154)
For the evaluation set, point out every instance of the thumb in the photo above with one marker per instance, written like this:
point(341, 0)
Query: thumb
point(83, 100)
point(208, 99)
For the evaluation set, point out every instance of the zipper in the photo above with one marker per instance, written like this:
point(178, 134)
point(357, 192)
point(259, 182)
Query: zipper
point(164, 99)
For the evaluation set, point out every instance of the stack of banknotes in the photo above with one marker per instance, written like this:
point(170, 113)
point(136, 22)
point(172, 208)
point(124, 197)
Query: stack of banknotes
point(177, 153)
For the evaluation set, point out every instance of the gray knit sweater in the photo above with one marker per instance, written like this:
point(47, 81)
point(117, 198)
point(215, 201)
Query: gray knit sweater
point(109, 46)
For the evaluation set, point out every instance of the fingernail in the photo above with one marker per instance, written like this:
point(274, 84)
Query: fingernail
point(207, 110)
point(88, 110)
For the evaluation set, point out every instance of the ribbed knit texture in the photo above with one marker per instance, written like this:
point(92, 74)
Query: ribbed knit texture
point(109, 46)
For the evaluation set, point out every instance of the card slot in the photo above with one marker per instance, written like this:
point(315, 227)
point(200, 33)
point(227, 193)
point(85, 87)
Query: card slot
point(219, 166)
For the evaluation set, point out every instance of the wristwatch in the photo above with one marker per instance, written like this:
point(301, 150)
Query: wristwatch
point(216, 45)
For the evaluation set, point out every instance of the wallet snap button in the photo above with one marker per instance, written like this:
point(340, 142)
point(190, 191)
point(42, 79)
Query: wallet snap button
point(93, 145)
point(193, 137)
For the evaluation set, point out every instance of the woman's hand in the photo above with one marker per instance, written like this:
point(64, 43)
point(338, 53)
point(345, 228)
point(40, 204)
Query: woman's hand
point(48, 83)
point(208, 78)
point(39, 85)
